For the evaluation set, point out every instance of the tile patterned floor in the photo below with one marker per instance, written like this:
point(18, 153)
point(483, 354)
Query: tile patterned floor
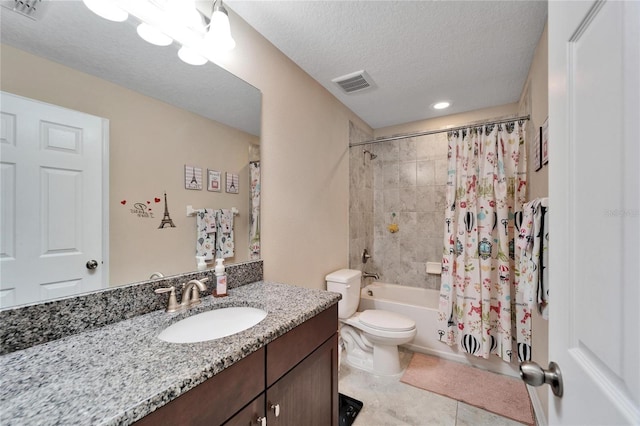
point(388, 402)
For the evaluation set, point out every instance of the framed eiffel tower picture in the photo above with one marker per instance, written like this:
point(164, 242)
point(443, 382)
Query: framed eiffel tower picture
point(192, 177)
point(232, 183)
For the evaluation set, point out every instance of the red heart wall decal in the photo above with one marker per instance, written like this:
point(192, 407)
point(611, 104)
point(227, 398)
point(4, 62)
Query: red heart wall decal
point(157, 200)
point(123, 202)
point(148, 202)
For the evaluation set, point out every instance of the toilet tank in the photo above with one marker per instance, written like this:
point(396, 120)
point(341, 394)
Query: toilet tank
point(347, 283)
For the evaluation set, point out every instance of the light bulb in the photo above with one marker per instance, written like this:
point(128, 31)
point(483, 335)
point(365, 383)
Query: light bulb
point(107, 10)
point(219, 35)
point(153, 35)
point(190, 56)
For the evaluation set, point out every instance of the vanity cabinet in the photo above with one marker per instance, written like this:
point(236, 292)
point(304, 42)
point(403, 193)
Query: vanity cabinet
point(292, 381)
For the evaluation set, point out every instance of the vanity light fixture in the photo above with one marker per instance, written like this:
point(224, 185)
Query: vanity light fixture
point(441, 105)
point(164, 21)
point(153, 35)
point(190, 56)
point(107, 10)
point(219, 34)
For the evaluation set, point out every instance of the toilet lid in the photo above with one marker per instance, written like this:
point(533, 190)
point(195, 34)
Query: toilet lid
point(386, 321)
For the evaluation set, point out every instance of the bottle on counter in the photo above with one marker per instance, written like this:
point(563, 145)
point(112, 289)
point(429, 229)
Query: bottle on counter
point(200, 263)
point(221, 279)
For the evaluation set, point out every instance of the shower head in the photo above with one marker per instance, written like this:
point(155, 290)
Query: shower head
point(371, 154)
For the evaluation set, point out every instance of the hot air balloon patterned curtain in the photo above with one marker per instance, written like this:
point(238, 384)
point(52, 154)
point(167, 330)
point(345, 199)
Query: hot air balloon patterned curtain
point(486, 188)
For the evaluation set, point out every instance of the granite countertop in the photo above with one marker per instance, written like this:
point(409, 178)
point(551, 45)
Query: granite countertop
point(121, 372)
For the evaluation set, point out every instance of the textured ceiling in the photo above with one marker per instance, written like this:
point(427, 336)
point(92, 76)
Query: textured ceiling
point(474, 54)
point(68, 33)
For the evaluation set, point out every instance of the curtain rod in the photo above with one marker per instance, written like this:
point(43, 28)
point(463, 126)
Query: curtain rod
point(433, 132)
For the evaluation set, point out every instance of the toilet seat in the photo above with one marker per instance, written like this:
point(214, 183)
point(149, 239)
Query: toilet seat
point(379, 330)
point(386, 321)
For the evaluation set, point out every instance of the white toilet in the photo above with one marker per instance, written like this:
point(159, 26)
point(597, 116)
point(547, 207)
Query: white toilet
point(371, 337)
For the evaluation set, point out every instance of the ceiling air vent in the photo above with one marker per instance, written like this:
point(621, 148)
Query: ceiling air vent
point(26, 8)
point(354, 82)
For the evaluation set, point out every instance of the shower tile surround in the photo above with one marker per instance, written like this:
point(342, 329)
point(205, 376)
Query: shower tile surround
point(407, 178)
point(25, 326)
point(360, 200)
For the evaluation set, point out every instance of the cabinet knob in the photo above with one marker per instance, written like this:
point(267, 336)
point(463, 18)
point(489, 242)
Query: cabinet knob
point(276, 409)
point(262, 421)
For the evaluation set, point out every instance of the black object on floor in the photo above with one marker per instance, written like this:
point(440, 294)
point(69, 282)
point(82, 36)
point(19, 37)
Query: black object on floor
point(348, 409)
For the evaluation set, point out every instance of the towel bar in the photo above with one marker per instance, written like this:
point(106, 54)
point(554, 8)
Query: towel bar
point(191, 211)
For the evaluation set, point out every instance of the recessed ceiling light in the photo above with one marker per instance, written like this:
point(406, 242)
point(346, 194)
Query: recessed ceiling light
point(441, 105)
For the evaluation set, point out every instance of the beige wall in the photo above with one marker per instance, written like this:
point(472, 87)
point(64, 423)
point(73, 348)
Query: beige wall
point(452, 120)
point(305, 163)
point(150, 142)
point(534, 101)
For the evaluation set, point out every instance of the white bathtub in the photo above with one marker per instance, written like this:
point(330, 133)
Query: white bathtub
point(421, 305)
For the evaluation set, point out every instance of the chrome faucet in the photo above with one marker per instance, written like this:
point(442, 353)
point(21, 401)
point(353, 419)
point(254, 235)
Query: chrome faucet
point(190, 295)
point(368, 275)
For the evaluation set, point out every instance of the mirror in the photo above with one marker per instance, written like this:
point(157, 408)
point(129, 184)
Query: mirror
point(164, 117)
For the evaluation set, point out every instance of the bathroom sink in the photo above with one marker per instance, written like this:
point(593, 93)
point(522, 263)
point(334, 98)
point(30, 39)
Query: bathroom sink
point(212, 325)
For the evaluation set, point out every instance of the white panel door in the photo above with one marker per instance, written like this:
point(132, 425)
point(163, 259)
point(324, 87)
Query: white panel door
point(594, 191)
point(52, 205)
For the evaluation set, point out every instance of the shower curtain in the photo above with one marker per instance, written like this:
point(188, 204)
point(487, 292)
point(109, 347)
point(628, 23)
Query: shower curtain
point(486, 188)
point(254, 212)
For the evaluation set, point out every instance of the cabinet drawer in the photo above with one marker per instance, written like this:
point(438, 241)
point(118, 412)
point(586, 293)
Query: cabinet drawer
point(289, 349)
point(217, 399)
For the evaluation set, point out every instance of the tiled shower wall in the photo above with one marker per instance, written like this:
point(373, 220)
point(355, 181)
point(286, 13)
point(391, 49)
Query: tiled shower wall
point(408, 179)
point(360, 199)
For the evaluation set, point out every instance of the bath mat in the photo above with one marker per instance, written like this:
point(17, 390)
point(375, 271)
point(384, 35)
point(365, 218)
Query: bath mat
point(348, 409)
point(499, 394)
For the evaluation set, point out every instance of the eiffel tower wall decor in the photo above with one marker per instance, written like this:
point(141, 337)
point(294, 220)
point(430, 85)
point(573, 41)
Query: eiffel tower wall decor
point(233, 183)
point(192, 177)
point(166, 219)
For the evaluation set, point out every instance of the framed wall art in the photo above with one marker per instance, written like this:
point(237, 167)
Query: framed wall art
point(537, 151)
point(214, 180)
point(192, 177)
point(544, 141)
point(233, 183)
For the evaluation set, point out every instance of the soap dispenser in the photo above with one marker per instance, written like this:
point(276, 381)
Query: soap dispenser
point(221, 279)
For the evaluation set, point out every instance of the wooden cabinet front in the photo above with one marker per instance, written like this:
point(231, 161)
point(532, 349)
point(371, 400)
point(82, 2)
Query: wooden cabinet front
point(308, 394)
point(217, 399)
point(295, 376)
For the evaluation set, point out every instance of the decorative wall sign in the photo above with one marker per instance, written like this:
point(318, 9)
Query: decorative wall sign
point(192, 177)
point(142, 209)
point(214, 180)
point(233, 183)
point(544, 141)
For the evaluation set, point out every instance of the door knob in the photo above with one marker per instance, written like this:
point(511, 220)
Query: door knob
point(534, 375)
point(92, 264)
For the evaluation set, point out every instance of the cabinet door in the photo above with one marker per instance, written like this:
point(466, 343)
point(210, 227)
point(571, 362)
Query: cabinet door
point(215, 400)
point(249, 415)
point(308, 394)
